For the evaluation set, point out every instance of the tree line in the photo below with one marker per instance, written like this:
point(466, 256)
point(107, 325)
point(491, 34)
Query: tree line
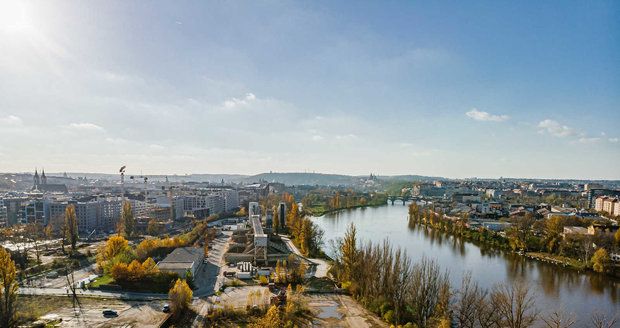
point(527, 234)
point(388, 283)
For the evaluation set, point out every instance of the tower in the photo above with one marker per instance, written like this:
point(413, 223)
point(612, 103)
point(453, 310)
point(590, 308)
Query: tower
point(282, 214)
point(36, 179)
point(43, 177)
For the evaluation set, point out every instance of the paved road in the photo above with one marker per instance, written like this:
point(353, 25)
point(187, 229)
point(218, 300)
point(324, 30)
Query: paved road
point(321, 267)
point(93, 293)
point(209, 277)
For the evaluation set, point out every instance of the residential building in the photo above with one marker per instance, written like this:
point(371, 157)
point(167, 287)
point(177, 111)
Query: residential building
point(4, 215)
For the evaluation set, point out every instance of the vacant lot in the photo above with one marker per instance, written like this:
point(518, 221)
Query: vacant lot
point(130, 314)
point(333, 310)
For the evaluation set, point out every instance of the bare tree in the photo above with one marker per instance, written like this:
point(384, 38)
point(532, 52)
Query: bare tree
point(559, 319)
point(515, 305)
point(467, 303)
point(486, 314)
point(600, 320)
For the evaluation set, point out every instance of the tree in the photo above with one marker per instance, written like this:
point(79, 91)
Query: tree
point(8, 290)
point(127, 222)
point(617, 238)
point(115, 246)
point(272, 319)
point(349, 253)
point(514, 305)
point(466, 306)
point(34, 233)
point(189, 279)
point(600, 260)
point(180, 296)
point(600, 320)
point(558, 319)
point(71, 228)
point(150, 267)
point(276, 221)
point(153, 228)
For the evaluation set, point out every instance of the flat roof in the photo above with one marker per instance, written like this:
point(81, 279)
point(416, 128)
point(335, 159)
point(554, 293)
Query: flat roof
point(257, 226)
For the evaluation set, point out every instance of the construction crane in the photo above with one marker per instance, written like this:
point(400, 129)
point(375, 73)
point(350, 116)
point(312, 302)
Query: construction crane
point(122, 172)
point(146, 179)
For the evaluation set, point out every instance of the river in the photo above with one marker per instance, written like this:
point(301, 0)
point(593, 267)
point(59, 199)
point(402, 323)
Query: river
point(581, 293)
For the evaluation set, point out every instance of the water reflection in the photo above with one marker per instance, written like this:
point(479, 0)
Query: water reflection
point(556, 287)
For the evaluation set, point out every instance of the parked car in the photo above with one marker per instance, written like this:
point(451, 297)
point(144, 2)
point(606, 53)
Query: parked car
point(110, 313)
point(165, 308)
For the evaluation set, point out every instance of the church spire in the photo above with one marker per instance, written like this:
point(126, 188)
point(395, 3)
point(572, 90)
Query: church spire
point(43, 177)
point(36, 179)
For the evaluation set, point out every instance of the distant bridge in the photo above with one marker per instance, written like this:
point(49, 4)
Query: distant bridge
point(402, 198)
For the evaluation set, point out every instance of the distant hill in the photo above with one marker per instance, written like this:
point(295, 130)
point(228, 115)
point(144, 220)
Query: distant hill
point(304, 179)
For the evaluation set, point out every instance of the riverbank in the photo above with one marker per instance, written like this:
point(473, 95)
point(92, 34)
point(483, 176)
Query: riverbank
point(575, 291)
point(498, 242)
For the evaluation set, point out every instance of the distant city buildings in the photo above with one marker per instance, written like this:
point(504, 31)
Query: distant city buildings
point(608, 204)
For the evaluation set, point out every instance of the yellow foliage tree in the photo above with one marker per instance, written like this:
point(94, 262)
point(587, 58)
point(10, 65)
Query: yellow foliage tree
point(600, 260)
point(180, 296)
point(272, 319)
point(71, 228)
point(8, 289)
point(150, 267)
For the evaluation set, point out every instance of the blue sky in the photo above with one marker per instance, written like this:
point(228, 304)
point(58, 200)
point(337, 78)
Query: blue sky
point(455, 89)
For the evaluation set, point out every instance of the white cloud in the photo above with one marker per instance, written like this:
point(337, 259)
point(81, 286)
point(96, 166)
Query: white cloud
point(613, 140)
point(11, 120)
point(238, 102)
point(485, 116)
point(317, 137)
point(556, 129)
point(85, 127)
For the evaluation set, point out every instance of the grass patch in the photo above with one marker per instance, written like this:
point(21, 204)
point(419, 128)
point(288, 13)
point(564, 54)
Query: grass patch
point(31, 308)
point(103, 280)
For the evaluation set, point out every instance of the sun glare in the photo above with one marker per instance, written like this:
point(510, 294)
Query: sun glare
point(15, 16)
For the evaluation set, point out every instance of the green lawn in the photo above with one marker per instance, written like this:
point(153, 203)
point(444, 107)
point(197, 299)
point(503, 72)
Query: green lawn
point(104, 280)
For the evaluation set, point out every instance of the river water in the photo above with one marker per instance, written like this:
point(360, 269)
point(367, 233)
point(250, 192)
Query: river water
point(580, 293)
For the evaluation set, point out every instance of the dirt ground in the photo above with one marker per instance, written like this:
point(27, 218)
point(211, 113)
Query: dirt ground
point(130, 314)
point(333, 310)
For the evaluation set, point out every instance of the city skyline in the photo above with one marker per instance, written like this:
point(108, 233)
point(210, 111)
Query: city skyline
point(481, 89)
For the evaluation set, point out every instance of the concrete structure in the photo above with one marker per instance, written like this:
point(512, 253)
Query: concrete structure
point(260, 239)
point(253, 209)
point(182, 260)
point(282, 214)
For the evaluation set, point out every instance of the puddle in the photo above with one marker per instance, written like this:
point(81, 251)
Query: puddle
point(328, 312)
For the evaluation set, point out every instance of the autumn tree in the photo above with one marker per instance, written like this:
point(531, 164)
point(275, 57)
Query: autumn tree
point(8, 290)
point(600, 260)
point(180, 296)
point(153, 228)
point(115, 246)
point(71, 227)
point(350, 253)
point(276, 221)
point(273, 319)
point(127, 223)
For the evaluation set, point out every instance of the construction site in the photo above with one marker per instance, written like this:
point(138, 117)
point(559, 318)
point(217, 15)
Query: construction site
point(255, 242)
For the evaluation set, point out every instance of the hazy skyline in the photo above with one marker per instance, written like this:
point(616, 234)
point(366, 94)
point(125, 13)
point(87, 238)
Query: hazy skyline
point(454, 89)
